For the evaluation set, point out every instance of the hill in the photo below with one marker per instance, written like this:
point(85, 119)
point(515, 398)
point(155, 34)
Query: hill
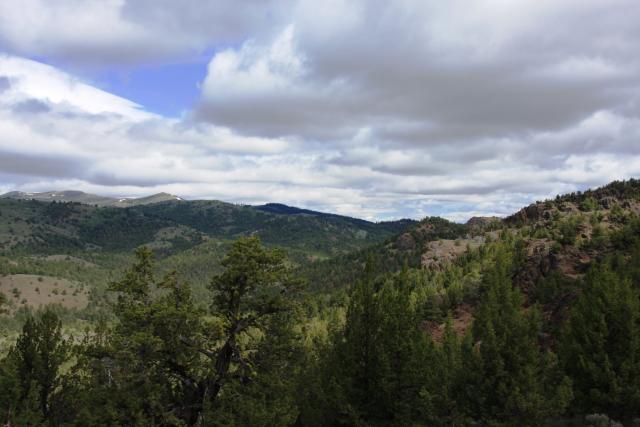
point(556, 241)
point(90, 199)
point(521, 311)
point(560, 237)
point(190, 236)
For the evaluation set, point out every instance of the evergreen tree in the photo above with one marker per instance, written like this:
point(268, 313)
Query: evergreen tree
point(406, 353)
point(510, 379)
point(601, 346)
point(165, 362)
point(441, 394)
point(268, 397)
point(256, 300)
point(139, 371)
point(357, 353)
point(31, 375)
point(4, 302)
point(380, 356)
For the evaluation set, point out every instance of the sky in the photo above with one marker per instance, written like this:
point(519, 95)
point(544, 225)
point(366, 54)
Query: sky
point(367, 108)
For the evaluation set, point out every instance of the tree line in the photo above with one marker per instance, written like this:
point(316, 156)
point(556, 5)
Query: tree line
point(246, 357)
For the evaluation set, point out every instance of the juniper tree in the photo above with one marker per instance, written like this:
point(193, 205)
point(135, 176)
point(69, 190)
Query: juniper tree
point(30, 375)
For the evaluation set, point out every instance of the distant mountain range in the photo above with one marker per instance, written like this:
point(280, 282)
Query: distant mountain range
point(90, 199)
point(104, 201)
point(73, 222)
point(38, 236)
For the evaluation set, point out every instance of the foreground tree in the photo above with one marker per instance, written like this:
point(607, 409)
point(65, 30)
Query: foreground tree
point(140, 371)
point(30, 375)
point(442, 403)
point(601, 346)
point(509, 378)
point(378, 363)
point(167, 361)
point(256, 300)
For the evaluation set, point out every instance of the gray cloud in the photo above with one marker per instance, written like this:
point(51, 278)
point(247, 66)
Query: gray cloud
point(209, 21)
point(386, 68)
point(5, 83)
point(31, 106)
point(370, 108)
point(38, 165)
point(133, 31)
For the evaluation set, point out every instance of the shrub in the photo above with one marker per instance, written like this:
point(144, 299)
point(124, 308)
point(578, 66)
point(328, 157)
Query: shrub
point(589, 204)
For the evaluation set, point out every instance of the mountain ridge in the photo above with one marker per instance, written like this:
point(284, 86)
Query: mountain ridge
point(75, 196)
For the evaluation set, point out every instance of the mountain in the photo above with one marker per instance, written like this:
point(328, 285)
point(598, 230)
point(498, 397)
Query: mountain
point(154, 198)
point(35, 226)
point(407, 247)
point(515, 304)
point(90, 199)
point(563, 235)
point(189, 236)
point(61, 196)
point(279, 208)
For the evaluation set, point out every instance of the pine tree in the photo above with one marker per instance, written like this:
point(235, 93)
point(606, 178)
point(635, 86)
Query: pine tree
point(357, 352)
point(268, 397)
point(441, 394)
point(601, 346)
point(165, 362)
point(31, 374)
point(256, 299)
point(381, 356)
point(144, 369)
point(510, 379)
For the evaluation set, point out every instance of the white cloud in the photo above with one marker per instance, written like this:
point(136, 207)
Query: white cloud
point(33, 80)
point(370, 108)
point(255, 70)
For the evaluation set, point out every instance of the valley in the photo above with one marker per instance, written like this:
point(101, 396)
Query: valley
point(518, 287)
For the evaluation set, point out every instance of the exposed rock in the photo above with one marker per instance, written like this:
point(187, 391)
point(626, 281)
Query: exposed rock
point(537, 264)
point(531, 213)
point(481, 222)
point(406, 242)
point(607, 202)
point(540, 260)
point(444, 251)
point(462, 319)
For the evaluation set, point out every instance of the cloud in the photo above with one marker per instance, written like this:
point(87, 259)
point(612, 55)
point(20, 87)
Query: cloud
point(32, 106)
point(26, 164)
point(263, 90)
point(441, 99)
point(369, 108)
point(5, 83)
point(98, 32)
point(449, 73)
point(31, 80)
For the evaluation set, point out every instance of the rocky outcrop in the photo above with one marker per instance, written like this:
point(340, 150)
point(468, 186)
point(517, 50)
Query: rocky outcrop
point(531, 213)
point(482, 222)
point(405, 242)
point(541, 259)
point(445, 251)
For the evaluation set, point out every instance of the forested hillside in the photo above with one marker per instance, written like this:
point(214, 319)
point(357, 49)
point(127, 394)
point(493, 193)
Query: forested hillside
point(533, 320)
point(87, 244)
